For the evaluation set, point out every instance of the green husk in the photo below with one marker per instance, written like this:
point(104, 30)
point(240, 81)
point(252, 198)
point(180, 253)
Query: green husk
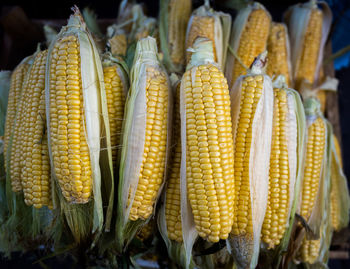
point(274, 256)
point(341, 191)
point(85, 221)
point(133, 139)
point(163, 32)
point(5, 77)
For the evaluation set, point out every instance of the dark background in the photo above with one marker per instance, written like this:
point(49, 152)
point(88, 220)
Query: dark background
point(25, 41)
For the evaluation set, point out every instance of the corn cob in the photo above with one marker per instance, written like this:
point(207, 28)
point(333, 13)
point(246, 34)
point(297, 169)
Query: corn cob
point(209, 145)
point(35, 171)
point(307, 64)
point(205, 22)
point(116, 88)
point(252, 112)
point(146, 231)
point(173, 199)
point(118, 44)
point(339, 197)
point(248, 39)
point(178, 15)
point(72, 87)
point(308, 27)
point(17, 81)
point(142, 187)
point(313, 165)
point(278, 49)
point(310, 250)
point(276, 216)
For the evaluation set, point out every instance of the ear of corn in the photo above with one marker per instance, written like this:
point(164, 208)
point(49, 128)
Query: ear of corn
point(205, 22)
point(209, 146)
point(173, 18)
point(145, 139)
point(248, 39)
point(17, 81)
point(118, 44)
point(252, 112)
point(35, 167)
point(279, 52)
point(75, 101)
point(316, 177)
point(116, 85)
point(340, 200)
point(308, 27)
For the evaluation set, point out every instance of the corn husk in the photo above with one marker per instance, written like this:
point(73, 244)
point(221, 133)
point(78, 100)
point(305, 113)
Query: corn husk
point(5, 77)
point(222, 27)
point(236, 32)
point(340, 200)
point(245, 250)
point(297, 18)
point(173, 18)
point(85, 220)
point(296, 151)
point(134, 138)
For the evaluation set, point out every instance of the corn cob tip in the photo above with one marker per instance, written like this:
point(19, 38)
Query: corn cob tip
point(76, 19)
point(202, 52)
point(259, 65)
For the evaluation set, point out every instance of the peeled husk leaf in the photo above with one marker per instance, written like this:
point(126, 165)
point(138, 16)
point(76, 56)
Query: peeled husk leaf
point(5, 77)
point(85, 220)
point(341, 192)
point(182, 11)
point(235, 36)
point(297, 18)
point(245, 250)
point(296, 151)
point(176, 250)
point(134, 127)
point(222, 28)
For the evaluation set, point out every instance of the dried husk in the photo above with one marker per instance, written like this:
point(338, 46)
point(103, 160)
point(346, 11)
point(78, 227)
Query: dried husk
point(297, 18)
point(86, 220)
point(222, 28)
point(134, 138)
point(245, 250)
point(235, 36)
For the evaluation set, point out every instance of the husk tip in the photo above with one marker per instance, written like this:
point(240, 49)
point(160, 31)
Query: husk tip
point(260, 63)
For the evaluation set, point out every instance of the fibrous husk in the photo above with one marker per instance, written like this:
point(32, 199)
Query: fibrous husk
point(245, 248)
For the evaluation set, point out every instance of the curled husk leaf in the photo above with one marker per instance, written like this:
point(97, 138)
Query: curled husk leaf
point(245, 248)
